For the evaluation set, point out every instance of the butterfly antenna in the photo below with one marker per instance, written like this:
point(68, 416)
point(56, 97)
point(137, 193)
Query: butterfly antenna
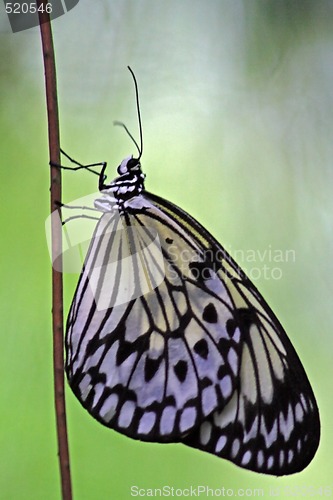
point(121, 124)
point(140, 149)
point(138, 111)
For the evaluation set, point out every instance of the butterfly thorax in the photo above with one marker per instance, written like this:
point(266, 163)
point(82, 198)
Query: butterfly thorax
point(128, 185)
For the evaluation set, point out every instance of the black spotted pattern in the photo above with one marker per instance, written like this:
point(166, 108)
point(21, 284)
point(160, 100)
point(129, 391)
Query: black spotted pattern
point(125, 350)
point(180, 370)
point(151, 367)
point(201, 348)
point(210, 314)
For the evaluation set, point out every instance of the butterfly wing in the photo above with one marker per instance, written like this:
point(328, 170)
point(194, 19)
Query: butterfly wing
point(149, 366)
point(271, 423)
point(192, 353)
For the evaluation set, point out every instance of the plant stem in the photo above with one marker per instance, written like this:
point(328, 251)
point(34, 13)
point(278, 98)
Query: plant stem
point(57, 286)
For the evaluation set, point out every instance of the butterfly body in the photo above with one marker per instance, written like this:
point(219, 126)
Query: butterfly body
point(167, 339)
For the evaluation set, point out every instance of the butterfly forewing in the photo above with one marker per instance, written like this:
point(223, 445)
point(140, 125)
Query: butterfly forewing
point(167, 340)
point(157, 364)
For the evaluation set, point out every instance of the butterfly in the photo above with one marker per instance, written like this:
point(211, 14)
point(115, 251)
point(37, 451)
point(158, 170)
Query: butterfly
point(167, 340)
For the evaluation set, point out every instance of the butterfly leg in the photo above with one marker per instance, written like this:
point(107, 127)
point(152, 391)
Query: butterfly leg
point(80, 166)
point(76, 207)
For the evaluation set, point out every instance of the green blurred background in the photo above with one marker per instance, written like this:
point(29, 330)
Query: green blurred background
point(236, 102)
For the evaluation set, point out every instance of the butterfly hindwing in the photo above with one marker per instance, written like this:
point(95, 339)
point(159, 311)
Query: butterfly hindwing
point(271, 423)
point(155, 366)
point(167, 340)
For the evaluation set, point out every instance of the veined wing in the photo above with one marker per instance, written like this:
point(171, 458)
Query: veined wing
point(199, 357)
point(271, 423)
point(155, 365)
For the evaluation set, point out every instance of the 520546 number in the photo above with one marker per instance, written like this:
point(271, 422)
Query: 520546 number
point(27, 8)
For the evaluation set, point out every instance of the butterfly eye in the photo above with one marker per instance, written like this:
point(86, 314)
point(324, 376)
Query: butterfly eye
point(128, 165)
point(133, 164)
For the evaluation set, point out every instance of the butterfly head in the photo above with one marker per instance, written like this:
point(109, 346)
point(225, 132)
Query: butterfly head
point(130, 174)
point(129, 183)
point(129, 165)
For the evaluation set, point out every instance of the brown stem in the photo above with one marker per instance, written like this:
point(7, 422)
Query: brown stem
point(57, 288)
